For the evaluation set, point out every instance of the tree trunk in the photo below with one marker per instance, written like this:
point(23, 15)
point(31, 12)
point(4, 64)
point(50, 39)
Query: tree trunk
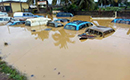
point(37, 6)
point(21, 5)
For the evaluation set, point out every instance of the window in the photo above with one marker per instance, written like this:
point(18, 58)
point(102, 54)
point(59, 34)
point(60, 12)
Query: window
point(1, 19)
point(70, 27)
point(51, 24)
point(27, 23)
point(6, 19)
point(82, 26)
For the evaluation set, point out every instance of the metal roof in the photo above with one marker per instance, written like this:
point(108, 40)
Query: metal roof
point(100, 28)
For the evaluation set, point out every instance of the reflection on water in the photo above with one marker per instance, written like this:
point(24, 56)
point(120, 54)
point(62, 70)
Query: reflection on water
point(41, 35)
point(62, 38)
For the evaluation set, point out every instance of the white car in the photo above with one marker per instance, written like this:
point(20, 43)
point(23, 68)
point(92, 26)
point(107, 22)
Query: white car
point(3, 14)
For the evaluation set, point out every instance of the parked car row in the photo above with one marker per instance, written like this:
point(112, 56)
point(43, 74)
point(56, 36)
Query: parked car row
point(29, 19)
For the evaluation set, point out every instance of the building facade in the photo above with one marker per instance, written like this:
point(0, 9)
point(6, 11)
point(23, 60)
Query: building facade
point(13, 6)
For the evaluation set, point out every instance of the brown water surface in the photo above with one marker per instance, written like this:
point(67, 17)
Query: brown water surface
point(58, 54)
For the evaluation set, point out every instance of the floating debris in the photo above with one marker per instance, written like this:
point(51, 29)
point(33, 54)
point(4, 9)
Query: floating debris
point(32, 75)
point(58, 73)
point(5, 43)
point(54, 68)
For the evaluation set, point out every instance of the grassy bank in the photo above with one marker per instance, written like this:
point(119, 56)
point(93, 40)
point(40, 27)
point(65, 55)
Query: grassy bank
point(10, 72)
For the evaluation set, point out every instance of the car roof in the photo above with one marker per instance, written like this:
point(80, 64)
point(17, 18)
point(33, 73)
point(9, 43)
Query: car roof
point(101, 28)
point(77, 22)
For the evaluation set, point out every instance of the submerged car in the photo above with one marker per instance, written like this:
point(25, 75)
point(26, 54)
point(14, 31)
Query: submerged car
point(25, 15)
point(123, 21)
point(4, 20)
point(3, 14)
point(62, 20)
point(37, 21)
point(77, 25)
point(54, 24)
point(64, 14)
point(16, 23)
point(99, 30)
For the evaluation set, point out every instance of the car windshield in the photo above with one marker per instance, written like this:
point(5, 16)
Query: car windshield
point(70, 27)
point(1, 19)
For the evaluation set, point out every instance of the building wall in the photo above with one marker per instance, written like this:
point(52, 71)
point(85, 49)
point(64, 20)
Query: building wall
point(25, 5)
point(15, 7)
point(6, 4)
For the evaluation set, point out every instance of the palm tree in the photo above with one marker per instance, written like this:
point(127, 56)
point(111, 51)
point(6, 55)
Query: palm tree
point(85, 4)
point(105, 2)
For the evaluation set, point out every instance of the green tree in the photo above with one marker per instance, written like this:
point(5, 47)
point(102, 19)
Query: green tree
point(85, 4)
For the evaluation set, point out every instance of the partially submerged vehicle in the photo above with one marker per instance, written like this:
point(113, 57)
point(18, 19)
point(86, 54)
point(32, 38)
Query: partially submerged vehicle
point(4, 20)
point(54, 24)
point(86, 36)
point(64, 14)
point(19, 15)
point(62, 20)
point(16, 23)
point(123, 21)
point(99, 30)
point(77, 25)
point(37, 21)
point(3, 14)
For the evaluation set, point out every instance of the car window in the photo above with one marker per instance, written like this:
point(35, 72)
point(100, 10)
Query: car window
point(89, 24)
point(82, 26)
point(1, 19)
point(70, 27)
point(6, 19)
point(27, 23)
point(51, 24)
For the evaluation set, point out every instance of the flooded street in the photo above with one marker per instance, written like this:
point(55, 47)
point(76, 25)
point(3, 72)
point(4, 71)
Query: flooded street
point(58, 54)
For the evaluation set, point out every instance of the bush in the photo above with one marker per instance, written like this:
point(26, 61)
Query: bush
point(13, 73)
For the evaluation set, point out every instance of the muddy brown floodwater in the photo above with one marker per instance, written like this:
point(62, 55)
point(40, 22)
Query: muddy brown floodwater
point(58, 54)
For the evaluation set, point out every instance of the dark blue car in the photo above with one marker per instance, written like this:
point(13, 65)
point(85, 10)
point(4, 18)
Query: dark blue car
point(77, 25)
point(16, 23)
point(64, 14)
point(123, 21)
point(62, 20)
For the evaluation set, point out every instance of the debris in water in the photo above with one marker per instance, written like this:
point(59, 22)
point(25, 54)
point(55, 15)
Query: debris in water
point(5, 43)
point(33, 30)
point(58, 73)
point(32, 75)
point(54, 68)
point(47, 29)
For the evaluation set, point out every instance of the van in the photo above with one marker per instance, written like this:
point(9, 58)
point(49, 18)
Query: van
point(25, 15)
point(37, 21)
